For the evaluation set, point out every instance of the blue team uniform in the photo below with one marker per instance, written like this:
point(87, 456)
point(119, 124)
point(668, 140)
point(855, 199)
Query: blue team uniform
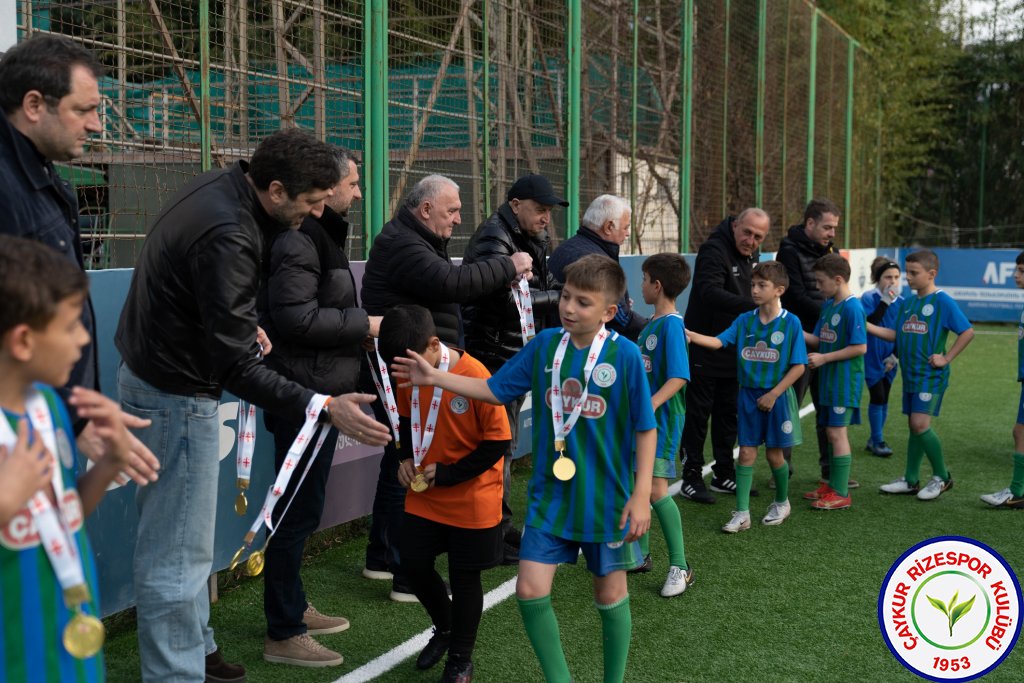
point(840, 324)
point(879, 349)
point(663, 348)
point(1020, 367)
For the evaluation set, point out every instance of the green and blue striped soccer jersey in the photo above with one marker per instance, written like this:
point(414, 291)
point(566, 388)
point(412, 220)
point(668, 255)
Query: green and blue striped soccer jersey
point(765, 352)
point(841, 324)
point(922, 327)
point(32, 610)
point(665, 357)
point(587, 507)
point(1020, 348)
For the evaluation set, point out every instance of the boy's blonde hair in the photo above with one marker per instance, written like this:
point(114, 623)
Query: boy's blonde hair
point(771, 271)
point(595, 273)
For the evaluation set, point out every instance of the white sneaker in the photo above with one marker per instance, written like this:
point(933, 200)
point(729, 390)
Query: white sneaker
point(899, 486)
point(740, 522)
point(777, 513)
point(677, 581)
point(934, 488)
point(998, 498)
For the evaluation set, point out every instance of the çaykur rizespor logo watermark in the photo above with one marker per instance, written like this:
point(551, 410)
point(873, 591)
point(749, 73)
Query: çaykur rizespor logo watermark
point(949, 609)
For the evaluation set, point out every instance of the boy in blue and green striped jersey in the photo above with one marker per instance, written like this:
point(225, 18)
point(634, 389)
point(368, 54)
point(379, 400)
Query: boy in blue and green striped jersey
point(597, 509)
point(1013, 495)
point(663, 346)
point(41, 338)
point(922, 326)
point(771, 356)
point(841, 340)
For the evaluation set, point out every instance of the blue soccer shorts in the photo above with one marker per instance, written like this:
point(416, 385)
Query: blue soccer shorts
point(602, 558)
point(777, 428)
point(838, 416)
point(921, 402)
point(1020, 407)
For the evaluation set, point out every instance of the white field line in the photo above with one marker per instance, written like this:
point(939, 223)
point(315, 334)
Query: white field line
point(410, 648)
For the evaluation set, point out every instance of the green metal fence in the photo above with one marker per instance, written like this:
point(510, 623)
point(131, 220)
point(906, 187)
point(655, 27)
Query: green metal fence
point(693, 109)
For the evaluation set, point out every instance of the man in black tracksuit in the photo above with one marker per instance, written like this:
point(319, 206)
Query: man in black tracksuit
point(721, 291)
point(798, 250)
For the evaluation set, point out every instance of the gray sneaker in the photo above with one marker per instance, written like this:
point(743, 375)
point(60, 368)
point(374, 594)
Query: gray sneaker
point(898, 486)
point(677, 581)
point(998, 498)
point(300, 650)
point(777, 513)
point(740, 522)
point(935, 487)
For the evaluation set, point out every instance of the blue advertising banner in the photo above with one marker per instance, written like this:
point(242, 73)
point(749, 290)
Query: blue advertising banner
point(981, 281)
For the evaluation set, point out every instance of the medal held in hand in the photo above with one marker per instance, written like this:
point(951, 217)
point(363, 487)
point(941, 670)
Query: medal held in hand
point(564, 468)
point(524, 304)
point(244, 452)
point(384, 390)
point(422, 438)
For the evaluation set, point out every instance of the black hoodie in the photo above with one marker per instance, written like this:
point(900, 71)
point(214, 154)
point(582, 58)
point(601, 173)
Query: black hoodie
point(721, 292)
point(798, 253)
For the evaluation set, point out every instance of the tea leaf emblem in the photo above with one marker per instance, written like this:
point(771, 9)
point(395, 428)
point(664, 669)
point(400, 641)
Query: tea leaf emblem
point(953, 611)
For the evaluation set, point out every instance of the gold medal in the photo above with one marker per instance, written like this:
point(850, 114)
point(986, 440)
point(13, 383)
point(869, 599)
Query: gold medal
point(564, 468)
point(236, 559)
point(254, 565)
point(560, 446)
point(83, 636)
point(241, 504)
point(419, 483)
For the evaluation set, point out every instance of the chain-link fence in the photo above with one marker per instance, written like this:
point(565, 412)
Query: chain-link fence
point(749, 103)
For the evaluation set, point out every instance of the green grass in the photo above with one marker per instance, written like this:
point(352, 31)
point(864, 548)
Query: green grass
point(790, 603)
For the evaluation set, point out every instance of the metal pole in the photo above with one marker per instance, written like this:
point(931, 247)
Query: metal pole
point(981, 160)
point(373, 192)
point(878, 177)
point(487, 109)
point(811, 97)
point(686, 148)
point(380, 34)
point(572, 166)
point(725, 111)
point(762, 39)
point(375, 112)
point(632, 128)
point(205, 141)
point(848, 180)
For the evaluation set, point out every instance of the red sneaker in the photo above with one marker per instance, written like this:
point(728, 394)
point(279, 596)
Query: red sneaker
point(832, 501)
point(819, 492)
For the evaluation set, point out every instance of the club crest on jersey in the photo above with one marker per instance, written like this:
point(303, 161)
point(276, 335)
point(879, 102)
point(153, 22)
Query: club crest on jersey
point(652, 342)
point(835, 320)
point(839, 410)
point(459, 405)
point(827, 334)
point(21, 533)
point(925, 396)
point(572, 390)
point(914, 326)
point(760, 353)
point(778, 338)
point(604, 375)
point(648, 366)
point(927, 310)
point(787, 427)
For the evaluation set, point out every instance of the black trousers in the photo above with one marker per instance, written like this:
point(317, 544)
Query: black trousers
point(810, 379)
point(284, 600)
point(713, 397)
point(388, 508)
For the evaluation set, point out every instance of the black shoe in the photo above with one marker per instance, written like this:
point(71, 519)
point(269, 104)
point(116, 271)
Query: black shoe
point(644, 567)
point(457, 670)
point(510, 554)
point(220, 671)
point(697, 493)
point(436, 648)
point(728, 486)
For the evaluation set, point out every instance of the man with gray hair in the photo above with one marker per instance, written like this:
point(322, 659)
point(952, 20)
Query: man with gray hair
point(409, 264)
point(605, 226)
point(721, 291)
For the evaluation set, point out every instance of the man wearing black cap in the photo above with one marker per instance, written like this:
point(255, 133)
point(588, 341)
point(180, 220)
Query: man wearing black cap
point(493, 324)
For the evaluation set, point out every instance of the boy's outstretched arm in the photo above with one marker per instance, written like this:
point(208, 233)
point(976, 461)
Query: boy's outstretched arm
point(415, 370)
point(637, 512)
point(23, 470)
point(811, 341)
point(939, 360)
point(703, 340)
point(767, 400)
point(106, 416)
point(881, 332)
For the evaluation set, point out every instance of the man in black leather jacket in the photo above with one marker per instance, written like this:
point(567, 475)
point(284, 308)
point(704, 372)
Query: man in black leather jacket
point(799, 249)
point(188, 330)
point(493, 327)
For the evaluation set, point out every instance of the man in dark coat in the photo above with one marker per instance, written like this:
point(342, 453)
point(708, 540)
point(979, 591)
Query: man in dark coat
point(799, 249)
point(721, 291)
point(409, 264)
point(605, 226)
point(493, 326)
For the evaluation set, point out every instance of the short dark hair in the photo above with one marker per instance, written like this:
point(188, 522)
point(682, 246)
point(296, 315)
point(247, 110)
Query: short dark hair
point(926, 258)
point(771, 271)
point(406, 326)
point(297, 160)
point(1020, 258)
point(882, 264)
point(43, 63)
point(595, 273)
point(818, 207)
point(34, 278)
point(671, 270)
point(833, 265)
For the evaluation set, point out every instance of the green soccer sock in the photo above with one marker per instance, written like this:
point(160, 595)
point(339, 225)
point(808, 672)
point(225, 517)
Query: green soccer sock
point(1017, 485)
point(542, 629)
point(744, 480)
point(933, 449)
point(781, 477)
point(672, 526)
point(617, 627)
point(839, 474)
point(915, 454)
point(645, 544)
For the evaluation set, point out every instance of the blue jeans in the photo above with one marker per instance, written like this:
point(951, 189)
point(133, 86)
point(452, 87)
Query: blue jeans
point(174, 546)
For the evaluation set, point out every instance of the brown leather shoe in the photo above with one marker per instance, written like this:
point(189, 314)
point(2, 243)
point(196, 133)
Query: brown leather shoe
point(300, 650)
point(321, 624)
point(220, 671)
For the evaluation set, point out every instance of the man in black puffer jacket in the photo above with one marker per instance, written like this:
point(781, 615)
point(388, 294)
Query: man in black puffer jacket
point(721, 291)
point(493, 327)
point(409, 264)
point(799, 249)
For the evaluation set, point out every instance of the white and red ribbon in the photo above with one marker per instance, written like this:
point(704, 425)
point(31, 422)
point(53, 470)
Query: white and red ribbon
point(246, 441)
point(423, 437)
point(562, 425)
point(524, 304)
point(385, 391)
